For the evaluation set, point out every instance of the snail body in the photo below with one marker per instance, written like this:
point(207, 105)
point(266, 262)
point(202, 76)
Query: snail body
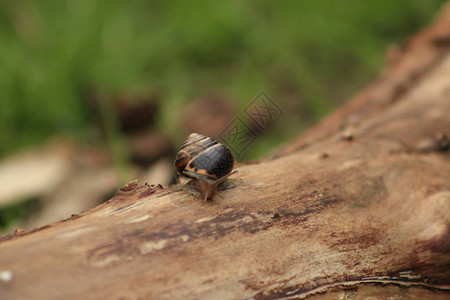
point(203, 159)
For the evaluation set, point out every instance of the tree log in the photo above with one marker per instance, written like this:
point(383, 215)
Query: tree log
point(358, 206)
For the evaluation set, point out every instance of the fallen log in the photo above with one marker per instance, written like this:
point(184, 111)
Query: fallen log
point(357, 206)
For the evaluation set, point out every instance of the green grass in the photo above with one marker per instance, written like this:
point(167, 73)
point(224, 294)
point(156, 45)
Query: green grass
point(54, 52)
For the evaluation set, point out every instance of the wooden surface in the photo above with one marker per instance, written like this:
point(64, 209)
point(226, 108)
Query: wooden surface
point(358, 206)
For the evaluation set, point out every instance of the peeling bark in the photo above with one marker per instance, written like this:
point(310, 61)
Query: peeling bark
point(358, 206)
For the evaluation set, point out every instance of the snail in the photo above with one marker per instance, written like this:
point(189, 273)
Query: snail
point(203, 159)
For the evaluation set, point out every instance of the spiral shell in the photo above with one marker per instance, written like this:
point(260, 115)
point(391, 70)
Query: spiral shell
point(204, 159)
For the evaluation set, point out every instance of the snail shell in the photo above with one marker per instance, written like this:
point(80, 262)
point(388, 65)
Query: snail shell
point(202, 158)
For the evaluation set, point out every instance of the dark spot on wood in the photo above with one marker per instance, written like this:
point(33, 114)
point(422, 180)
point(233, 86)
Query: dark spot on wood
point(122, 207)
point(442, 244)
point(442, 41)
point(134, 233)
point(439, 143)
point(433, 189)
point(323, 155)
point(401, 88)
point(102, 252)
point(165, 194)
point(349, 241)
point(347, 136)
point(208, 281)
point(149, 191)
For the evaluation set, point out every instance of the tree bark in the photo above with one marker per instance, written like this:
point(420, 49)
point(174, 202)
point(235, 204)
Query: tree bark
point(358, 206)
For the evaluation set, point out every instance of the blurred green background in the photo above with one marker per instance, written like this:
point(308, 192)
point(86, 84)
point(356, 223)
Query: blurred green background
point(71, 68)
